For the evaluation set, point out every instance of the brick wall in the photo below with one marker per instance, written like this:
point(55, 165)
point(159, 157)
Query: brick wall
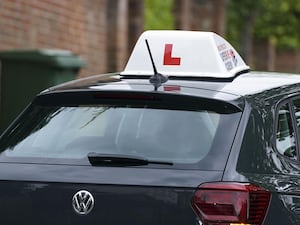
point(268, 58)
point(288, 61)
point(76, 25)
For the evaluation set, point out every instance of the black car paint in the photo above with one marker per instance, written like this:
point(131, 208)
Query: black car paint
point(40, 194)
point(254, 157)
point(137, 194)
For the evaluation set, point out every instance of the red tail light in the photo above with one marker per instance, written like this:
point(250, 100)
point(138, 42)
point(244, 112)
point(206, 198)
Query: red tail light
point(231, 203)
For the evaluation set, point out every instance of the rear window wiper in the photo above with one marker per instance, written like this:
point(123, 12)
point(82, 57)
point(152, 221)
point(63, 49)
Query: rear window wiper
point(97, 159)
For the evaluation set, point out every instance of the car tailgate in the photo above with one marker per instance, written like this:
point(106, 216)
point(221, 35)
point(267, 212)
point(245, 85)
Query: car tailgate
point(42, 194)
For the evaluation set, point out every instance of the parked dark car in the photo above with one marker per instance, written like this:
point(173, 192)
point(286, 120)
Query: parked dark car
point(210, 144)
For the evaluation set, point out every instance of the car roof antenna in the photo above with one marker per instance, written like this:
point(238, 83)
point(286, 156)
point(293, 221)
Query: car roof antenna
point(157, 79)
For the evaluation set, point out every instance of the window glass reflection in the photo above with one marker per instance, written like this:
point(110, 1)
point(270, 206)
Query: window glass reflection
point(285, 137)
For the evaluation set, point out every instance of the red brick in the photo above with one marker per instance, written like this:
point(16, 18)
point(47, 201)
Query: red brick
point(76, 25)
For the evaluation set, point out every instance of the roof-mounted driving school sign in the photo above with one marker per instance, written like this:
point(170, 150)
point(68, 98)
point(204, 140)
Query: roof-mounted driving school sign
point(185, 53)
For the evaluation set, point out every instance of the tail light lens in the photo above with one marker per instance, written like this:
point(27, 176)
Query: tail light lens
point(231, 203)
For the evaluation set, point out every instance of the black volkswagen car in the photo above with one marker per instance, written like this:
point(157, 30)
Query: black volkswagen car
point(186, 134)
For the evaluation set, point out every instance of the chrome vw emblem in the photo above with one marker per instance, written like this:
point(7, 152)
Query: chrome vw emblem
point(83, 202)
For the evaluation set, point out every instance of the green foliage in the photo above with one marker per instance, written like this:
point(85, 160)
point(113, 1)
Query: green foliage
point(237, 14)
point(276, 20)
point(158, 14)
point(279, 20)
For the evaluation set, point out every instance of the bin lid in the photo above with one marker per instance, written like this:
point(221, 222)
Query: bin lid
point(52, 57)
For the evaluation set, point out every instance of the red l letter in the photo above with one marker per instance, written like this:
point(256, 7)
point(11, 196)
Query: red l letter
point(168, 59)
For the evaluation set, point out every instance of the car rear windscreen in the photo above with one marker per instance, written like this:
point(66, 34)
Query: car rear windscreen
point(188, 132)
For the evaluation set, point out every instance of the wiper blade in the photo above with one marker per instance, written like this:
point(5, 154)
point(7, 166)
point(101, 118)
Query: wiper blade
point(97, 159)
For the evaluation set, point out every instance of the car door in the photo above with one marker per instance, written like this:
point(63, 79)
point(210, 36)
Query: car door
point(267, 154)
point(286, 180)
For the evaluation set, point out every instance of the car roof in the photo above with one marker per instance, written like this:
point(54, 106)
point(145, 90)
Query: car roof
point(259, 82)
point(247, 84)
point(203, 65)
